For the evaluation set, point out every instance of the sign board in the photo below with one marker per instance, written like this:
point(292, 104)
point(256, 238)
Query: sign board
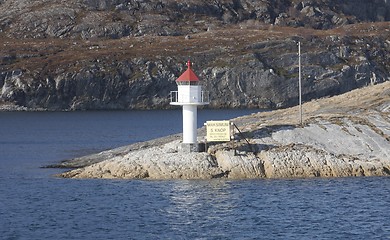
point(218, 131)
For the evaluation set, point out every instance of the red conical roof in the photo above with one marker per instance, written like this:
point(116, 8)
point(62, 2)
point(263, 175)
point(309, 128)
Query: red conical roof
point(188, 75)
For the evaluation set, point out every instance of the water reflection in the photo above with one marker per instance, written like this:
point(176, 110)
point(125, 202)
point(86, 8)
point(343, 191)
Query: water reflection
point(204, 204)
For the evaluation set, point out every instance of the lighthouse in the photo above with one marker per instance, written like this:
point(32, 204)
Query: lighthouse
point(189, 94)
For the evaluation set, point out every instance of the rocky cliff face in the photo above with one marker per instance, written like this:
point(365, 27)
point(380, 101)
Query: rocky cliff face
point(124, 54)
point(117, 18)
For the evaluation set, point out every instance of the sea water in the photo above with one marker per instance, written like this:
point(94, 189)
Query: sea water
point(36, 205)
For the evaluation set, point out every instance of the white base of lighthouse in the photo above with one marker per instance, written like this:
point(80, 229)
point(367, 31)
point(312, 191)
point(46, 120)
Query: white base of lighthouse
point(190, 124)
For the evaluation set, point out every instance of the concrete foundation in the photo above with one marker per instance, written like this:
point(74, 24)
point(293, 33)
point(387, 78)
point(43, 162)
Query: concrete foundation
point(191, 147)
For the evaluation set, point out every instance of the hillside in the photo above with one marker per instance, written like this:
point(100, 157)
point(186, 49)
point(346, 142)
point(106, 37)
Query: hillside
point(123, 54)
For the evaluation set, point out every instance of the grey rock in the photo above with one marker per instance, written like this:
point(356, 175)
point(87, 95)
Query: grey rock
point(113, 19)
point(342, 136)
point(69, 60)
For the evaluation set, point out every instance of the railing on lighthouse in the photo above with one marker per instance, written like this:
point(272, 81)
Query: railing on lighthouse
point(177, 99)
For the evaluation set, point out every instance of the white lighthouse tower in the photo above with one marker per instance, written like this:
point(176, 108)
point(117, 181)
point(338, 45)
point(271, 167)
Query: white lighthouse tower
point(190, 96)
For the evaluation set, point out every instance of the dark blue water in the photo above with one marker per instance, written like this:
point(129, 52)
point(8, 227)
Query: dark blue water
point(35, 205)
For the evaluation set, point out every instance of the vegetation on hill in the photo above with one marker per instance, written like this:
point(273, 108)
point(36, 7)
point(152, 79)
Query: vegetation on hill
point(125, 54)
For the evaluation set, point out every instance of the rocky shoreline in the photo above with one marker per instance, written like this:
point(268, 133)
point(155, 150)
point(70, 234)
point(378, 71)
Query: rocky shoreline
point(12, 108)
point(345, 135)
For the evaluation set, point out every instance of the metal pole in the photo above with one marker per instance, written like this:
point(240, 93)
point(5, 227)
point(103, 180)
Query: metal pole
point(300, 83)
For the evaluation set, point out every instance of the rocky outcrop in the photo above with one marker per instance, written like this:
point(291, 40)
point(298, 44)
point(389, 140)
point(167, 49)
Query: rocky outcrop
point(154, 163)
point(119, 18)
point(256, 71)
point(125, 54)
point(347, 135)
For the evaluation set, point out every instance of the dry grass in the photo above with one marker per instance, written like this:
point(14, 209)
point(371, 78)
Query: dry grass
point(333, 109)
point(234, 41)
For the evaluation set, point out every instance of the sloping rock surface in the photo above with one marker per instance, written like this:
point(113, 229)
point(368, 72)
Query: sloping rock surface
point(347, 135)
